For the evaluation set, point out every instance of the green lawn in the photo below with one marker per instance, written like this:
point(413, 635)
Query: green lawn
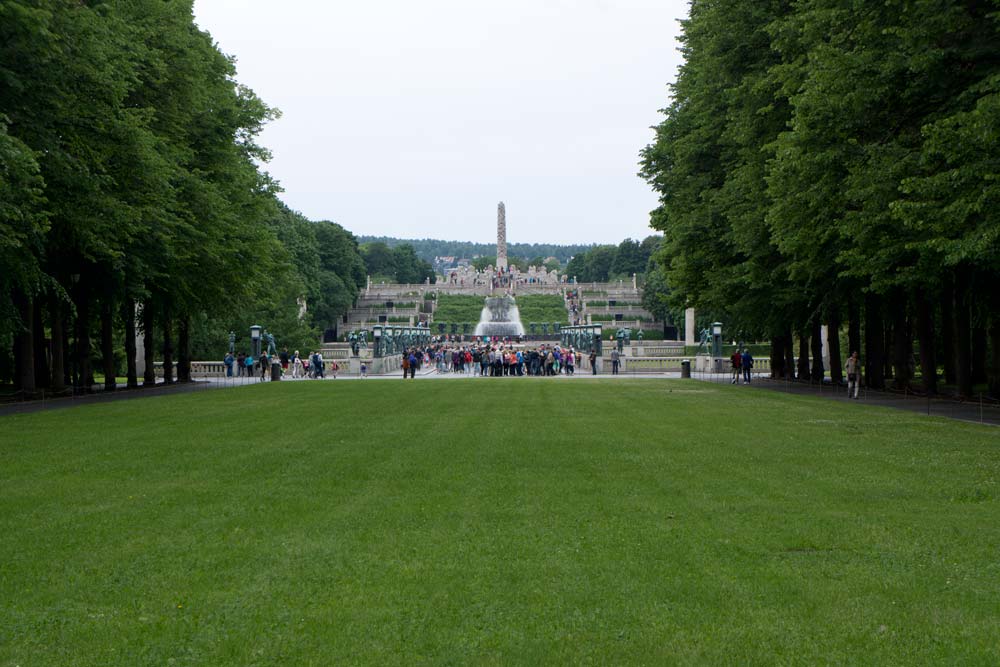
point(474, 521)
point(540, 308)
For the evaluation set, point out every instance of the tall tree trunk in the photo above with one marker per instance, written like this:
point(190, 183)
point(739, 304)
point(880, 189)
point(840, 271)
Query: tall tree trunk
point(24, 344)
point(58, 383)
point(184, 349)
point(874, 342)
point(777, 357)
point(948, 328)
point(168, 347)
point(853, 325)
point(128, 317)
point(979, 338)
point(84, 374)
point(40, 345)
point(816, 344)
point(994, 328)
point(789, 341)
point(108, 344)
point(803, 357)
point(963, 336)
point(902, 344)
point(149, 375)
point(833, 344)
point(887, 352)
point(925, 331)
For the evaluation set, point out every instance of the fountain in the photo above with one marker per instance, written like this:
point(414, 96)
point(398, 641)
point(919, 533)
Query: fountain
point(500, 318)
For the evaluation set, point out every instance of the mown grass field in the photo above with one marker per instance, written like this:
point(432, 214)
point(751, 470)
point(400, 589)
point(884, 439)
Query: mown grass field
point(528, 521)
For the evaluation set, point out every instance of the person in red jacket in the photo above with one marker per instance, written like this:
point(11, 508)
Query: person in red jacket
point(737, 361)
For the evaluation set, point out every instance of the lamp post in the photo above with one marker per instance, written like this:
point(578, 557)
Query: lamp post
point(717, 345)
point(255, 340)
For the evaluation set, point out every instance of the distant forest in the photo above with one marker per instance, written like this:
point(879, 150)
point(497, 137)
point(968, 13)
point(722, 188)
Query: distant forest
point(428, 249)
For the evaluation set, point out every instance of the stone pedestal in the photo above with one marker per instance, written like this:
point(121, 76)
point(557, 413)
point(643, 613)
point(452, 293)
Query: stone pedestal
point(689, 328)
point(824, 336)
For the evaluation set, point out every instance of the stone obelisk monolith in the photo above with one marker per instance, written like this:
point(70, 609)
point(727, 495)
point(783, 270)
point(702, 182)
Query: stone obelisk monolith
point(501, 237)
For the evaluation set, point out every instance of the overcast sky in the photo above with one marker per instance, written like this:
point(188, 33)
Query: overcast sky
point(414, 118)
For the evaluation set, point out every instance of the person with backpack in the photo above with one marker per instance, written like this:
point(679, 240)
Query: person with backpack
point(853, 369)
point(263, 366)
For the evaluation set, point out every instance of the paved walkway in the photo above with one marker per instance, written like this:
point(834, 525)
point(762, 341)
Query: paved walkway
point(101, 396)
point(980, 410)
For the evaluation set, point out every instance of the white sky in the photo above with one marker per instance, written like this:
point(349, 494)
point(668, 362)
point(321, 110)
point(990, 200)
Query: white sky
point(413, 118)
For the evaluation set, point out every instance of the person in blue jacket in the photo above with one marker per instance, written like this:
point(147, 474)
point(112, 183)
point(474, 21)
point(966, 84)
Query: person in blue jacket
point(747, 360)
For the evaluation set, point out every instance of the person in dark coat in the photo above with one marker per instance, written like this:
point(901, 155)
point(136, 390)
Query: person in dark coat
point(747, 361)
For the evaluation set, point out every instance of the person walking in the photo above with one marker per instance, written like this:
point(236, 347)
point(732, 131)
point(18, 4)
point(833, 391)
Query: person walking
point(615, 360)
point(747, 362)
point(736, 359)
point(593, 362)
point(228, 361)
point(853, 368)
point(296, 365)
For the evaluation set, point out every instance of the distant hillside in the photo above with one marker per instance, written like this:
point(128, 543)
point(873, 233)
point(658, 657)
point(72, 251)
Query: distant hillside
point(428, 249)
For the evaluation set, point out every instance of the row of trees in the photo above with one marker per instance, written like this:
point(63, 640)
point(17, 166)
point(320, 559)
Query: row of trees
point(428, 249)
point(607, 262)
point(832, 162)
point(130, 193)
point(397, 264)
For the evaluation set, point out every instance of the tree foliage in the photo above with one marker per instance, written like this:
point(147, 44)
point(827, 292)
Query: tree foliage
point(825, 161)
point(428, 249)
point(129, 175)
point(607, 262)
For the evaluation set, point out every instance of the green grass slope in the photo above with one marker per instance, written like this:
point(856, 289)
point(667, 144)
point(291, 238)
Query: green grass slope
point(521, 522)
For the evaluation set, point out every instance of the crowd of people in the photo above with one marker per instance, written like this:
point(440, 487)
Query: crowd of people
point(312, 366)
point(495, 359)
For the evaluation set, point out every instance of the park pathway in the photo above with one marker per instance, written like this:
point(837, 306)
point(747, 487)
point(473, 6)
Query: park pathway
point(980, 409)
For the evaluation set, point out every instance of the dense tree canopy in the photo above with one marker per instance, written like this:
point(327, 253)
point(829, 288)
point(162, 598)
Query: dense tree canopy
point(428, 249)
point(824, 161)
point(398, 264)
point(130, 191)
point(607, 262)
